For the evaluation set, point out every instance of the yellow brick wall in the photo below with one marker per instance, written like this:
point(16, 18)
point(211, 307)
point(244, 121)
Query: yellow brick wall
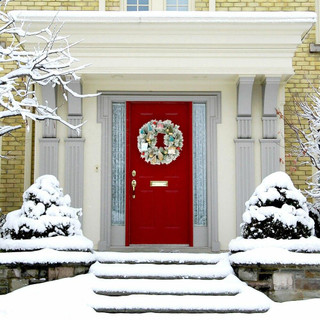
point(61, 5)
point(306, 66)
point(202, 5)
point(265, 5)
point(112, 5)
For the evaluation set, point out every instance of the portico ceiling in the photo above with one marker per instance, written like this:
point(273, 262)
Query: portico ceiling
point(176, 43)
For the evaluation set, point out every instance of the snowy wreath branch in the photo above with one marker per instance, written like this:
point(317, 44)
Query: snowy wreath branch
point(50, 63)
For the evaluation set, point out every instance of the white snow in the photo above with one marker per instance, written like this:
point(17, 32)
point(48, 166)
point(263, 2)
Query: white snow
point(45, 211)
point(240, 301)
point(275, 190)
point(163, 16)
point(275, 256)
point(311, 244)
point(46, 256)
point(158, 257)
point(72, 299)
point(266, 190)
point(220, 270)
point(227, 285)
point(58, 243)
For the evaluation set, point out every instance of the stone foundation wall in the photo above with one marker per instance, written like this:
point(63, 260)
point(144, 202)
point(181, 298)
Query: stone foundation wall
point(282, 282)
point(13, 277)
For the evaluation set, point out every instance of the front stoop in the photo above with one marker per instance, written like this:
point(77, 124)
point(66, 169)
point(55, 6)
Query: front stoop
point(171, 283)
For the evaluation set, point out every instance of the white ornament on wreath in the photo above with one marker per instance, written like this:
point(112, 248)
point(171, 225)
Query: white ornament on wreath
point(147, 142)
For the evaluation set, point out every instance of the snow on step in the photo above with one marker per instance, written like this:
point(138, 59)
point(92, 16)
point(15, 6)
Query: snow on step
point(160, 257)
point(228, 286)
point(249, 300)
point(132, 271)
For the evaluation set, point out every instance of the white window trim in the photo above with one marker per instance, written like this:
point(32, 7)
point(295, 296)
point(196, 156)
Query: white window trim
point(157, 5)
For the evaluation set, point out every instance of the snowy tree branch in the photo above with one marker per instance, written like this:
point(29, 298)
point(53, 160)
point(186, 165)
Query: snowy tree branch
point(49, 63)
point(307, 131)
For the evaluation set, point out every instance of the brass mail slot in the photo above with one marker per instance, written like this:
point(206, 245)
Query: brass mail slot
point(158, 183)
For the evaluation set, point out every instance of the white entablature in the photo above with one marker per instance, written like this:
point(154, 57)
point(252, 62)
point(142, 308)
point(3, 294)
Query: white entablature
point(209, 43)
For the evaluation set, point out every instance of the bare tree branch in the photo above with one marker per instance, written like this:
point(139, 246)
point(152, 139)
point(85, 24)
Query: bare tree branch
point(49, 63)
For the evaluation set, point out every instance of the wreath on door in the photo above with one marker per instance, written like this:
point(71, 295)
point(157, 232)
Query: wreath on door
point(147, 142)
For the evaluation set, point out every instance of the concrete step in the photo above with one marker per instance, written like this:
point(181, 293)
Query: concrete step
point(117, 287)
point(242, 303)
point(154, 271)
point(171, 283)
point(159, 257)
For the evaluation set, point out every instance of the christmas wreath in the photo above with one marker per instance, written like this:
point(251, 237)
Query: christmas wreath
point(147, 142)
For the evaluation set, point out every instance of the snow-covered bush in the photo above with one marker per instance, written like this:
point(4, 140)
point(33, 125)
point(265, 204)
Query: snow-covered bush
point(315, 215)
point(45, 212)
point(277, 210)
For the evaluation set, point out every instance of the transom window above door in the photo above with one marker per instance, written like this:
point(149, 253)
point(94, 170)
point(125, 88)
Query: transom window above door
point(157, 5)
point(137, 5)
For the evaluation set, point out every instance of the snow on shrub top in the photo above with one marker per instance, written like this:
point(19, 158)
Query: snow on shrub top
point(45, 212)
point(276, 189)
point(277, 210)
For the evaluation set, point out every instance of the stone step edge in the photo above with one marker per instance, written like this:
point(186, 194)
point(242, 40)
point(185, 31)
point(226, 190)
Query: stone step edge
point(127, 293)
point(180, 310)
point(164, 277)
point(190, 263)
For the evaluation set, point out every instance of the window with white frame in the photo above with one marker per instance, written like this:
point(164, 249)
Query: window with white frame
point(137, 5)
point(177, 5)
point(158, 5)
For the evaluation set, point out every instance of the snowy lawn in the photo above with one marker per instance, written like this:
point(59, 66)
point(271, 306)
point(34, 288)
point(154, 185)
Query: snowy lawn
point(70, 299)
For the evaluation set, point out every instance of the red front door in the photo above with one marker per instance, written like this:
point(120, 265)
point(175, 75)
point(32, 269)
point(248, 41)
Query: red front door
point(159, 210)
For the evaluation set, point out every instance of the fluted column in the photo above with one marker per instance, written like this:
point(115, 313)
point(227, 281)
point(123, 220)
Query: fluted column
point(270, 145)
point(74, 149)
point(245, 171)
point(49, 143)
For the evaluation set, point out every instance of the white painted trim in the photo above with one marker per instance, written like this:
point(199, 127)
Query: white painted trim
point(108, 233)
point(102, 5)
point(27, 156)
point(212, 5)
point(202, 42)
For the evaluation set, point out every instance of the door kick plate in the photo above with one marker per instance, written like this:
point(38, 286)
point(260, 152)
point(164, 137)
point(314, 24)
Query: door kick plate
point(158, 183)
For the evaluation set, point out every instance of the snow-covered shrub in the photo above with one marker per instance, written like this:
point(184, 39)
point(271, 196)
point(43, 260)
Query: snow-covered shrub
point(315, 215)
point(277, 210)
point(45, 212)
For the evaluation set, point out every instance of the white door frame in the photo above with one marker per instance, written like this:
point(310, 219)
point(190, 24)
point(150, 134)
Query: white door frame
point(114, 236)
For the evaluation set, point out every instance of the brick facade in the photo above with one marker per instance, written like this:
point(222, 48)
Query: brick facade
point(306, 67)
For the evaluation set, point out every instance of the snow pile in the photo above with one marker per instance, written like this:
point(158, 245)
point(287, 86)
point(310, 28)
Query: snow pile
point(46, 256)
point(45, 212)
point(277, 210)
point(311, 244)
point(274, 256)
point(60, 243)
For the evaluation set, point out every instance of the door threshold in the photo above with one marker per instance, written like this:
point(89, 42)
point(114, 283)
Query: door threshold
point(161, 248)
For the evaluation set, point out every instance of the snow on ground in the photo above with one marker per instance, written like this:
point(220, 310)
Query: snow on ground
point(74, 243)
point(71, 298)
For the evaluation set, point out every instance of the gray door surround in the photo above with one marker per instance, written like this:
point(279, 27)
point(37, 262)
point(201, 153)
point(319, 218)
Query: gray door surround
point(114, 236)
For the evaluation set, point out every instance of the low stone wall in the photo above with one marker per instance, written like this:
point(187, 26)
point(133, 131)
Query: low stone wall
point(282, 282)
point(15, 276)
